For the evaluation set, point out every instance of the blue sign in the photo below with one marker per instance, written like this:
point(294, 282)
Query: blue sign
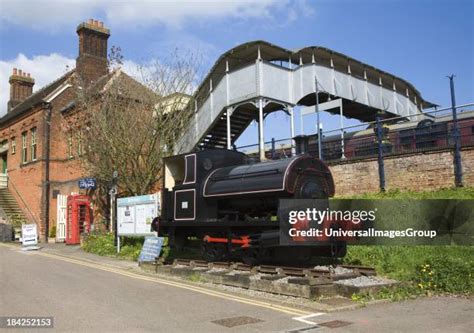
point(87, 183)
point(138, 200)
point(151, 248)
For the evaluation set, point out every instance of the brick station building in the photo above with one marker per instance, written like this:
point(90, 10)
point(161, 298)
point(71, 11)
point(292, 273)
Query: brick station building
point(38, 151)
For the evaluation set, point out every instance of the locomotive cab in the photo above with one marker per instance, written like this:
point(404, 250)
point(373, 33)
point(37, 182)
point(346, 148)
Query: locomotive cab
point(183, 179)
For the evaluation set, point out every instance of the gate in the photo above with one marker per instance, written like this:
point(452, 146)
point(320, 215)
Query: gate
point(61, 218)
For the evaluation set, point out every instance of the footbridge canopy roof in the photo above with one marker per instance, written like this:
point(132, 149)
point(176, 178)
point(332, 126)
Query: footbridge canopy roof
point(246, 53)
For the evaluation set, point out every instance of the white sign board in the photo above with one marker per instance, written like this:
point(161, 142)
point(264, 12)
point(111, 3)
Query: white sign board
point(29, 234)
point(135, 214)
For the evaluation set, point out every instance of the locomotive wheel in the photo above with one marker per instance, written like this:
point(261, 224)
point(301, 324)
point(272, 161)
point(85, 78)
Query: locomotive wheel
point(215, 252)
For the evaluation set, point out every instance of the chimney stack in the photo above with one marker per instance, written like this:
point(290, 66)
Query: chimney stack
point(91, 63)
point(21, 87)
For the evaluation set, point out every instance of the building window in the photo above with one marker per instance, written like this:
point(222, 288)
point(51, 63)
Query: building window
point(69, 145)
point(13, 145)
point(4, 145)
point(79, 143)
point(24, 147)
point(33, 144)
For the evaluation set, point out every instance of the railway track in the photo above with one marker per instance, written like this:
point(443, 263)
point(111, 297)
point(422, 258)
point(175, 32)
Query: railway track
point(332, 273)
point(303, 282)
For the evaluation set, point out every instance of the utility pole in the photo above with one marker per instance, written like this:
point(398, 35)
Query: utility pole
point(455, 133)
point(47, 157)
point(113, 193)
point(378, 132)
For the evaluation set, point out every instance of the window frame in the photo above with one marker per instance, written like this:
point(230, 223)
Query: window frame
point(70, 154)
point(80, 146)
point(34, 144)
point(24, 147)
point(13, 145)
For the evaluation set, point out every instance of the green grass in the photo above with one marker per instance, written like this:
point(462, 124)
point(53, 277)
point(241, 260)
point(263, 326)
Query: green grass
point(445, 193)
point(420, 269)
point(103, 244)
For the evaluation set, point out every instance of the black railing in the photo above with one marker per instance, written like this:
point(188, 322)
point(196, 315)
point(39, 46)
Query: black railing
point(381, 139)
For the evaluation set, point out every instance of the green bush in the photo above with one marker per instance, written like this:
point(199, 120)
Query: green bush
point(99, 243)
point(103, 244)
point(130, 247)
point(52, 232)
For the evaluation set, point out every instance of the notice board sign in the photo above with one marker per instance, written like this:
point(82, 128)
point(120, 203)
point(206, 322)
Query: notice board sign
point(151, 248)
point(29, 234)
point(135, 214)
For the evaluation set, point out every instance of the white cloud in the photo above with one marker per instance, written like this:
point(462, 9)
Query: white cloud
point(54, 14)
point(43, 68)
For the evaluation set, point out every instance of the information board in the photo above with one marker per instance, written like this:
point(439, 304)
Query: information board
point(151, 248)
point(135, 214)
point(29, 234)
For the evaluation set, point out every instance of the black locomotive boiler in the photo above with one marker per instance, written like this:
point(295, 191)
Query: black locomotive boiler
point(230, 202)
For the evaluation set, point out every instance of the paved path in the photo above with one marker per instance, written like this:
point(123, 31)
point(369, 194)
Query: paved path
point(87, 293)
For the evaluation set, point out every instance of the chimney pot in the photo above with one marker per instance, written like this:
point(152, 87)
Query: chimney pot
point(96, 23)
point(91, 21)
point(101, 24)
point(15, 71)
point(20, 72)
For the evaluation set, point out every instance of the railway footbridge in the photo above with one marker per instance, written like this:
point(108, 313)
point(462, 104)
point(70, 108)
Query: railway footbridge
point(254, 79)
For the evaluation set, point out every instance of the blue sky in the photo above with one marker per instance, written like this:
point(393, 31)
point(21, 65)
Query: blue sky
point(419, 40)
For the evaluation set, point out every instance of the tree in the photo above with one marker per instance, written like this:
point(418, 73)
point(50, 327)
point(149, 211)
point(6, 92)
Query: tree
point(129, 127)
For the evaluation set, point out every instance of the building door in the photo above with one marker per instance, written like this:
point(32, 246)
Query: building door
point(61, 218)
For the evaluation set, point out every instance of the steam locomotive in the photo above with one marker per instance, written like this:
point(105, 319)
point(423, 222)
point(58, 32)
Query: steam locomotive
point(230, 202)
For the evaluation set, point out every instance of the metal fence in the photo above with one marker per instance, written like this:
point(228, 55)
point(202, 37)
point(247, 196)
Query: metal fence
point(435, 130)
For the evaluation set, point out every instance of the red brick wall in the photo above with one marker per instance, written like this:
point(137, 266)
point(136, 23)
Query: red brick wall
point(25, 180)
point(355, 177)
point(417, 172)
point(467, 158)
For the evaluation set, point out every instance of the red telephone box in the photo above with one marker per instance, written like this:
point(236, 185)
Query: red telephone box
point(79, 218)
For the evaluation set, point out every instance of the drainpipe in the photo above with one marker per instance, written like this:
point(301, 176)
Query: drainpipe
point(47, 153)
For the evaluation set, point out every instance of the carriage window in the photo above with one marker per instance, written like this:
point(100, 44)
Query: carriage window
point(190, 169)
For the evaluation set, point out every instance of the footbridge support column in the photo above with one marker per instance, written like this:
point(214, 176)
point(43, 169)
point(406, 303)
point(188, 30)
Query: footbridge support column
point(261, 137)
